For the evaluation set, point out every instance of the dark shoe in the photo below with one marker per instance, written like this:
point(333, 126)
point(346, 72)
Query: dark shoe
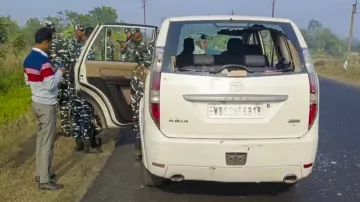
point(50, 186)
point(86, 146)
point(94, 149)
point(97, 150)
point(138, 151)
point(79, 144)
point(52, 176)
point(86, 149)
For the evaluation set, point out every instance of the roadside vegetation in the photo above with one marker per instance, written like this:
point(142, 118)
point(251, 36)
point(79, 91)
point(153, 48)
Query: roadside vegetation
point(17, 139)
point(333, 68)
point(76, 171)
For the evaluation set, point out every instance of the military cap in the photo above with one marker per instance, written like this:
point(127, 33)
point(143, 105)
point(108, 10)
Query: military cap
point(48, 24)
point(79, 27)
point(128, 30)
point(136, 30)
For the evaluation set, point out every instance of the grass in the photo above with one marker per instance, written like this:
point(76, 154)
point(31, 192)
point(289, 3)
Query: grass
point(75, 171)
point(14, 95)
point(333, 68)
point(17, 144)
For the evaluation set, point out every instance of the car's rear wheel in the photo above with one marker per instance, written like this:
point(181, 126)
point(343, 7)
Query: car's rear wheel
point(138, 150)
point(283, 187)
point(151, 180)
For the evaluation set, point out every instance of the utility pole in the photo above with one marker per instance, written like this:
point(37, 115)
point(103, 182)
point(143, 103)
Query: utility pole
point(144, 8)
point(351, 33)
point(273, 8)
point(162, 19)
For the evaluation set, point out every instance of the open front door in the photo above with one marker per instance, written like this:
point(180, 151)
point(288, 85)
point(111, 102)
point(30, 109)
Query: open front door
point(105, 81)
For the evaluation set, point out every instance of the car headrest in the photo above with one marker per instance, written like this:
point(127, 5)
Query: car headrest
point(254, 60)
point(234, 44)
point(203, 60)
point(252, 49)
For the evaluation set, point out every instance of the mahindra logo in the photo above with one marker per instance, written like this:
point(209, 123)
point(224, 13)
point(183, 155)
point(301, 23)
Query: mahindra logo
point(236, 86)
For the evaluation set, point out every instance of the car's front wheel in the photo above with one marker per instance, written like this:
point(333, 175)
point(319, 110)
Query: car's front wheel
point(151, 180)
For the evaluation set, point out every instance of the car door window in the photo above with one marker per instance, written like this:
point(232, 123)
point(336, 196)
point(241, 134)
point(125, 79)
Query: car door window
point(110, 42)
point(106, 73)
point(269, 46)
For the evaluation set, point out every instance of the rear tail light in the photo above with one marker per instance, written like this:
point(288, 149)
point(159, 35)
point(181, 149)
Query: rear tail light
point(313, 99)
point(155, 81)
point(313, 82)
point(155, 97)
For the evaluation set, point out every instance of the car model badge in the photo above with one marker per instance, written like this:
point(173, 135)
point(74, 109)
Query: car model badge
point(236, 86)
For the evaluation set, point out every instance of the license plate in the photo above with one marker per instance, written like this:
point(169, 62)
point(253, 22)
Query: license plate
point(235, 159)
point(249, 111)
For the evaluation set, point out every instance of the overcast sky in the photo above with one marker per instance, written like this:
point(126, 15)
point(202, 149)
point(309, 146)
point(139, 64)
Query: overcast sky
point(332, 13)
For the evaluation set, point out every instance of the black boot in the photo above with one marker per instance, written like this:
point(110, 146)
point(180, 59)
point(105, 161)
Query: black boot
point(96, 145)
point(91, 147)
point(79, 144)
point(86, 147)
point(138, 151)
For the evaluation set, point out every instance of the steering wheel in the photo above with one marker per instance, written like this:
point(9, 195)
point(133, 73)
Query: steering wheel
point(231, 67)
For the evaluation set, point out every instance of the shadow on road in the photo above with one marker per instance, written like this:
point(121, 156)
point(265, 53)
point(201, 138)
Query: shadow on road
point(126, 137)
point(225, 189)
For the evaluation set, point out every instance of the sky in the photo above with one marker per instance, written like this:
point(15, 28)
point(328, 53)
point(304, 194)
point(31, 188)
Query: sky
point(334, 14)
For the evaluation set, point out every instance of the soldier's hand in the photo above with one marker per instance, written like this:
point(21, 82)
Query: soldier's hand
point(123, 47)
point(62, 69)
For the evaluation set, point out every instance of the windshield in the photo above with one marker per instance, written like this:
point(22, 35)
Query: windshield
point(215, 37)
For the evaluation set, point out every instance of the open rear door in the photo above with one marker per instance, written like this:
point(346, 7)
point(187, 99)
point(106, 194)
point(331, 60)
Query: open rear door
point(105, 80)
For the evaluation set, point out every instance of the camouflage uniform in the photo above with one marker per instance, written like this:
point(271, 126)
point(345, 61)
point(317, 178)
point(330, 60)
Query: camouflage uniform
point(81, 110)
point(91, 54)
point(109, 50)
point(141, 53)
point(59, 56)
point(74, 46)
point(126, 53)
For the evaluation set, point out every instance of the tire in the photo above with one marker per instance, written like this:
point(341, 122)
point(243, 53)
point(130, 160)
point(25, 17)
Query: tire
point(283, 187)
point(138, 150)
point(151, 180)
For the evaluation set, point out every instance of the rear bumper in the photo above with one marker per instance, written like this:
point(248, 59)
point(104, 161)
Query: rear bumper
point(204, 159)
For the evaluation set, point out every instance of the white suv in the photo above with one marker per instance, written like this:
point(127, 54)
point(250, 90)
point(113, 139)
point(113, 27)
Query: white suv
point(245, 111)
point(239, 116)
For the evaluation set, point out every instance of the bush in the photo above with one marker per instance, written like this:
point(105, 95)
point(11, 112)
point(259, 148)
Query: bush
point(14, 95)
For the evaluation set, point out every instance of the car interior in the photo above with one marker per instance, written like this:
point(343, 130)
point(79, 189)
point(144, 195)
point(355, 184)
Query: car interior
point(112, 78)
point(241, 53)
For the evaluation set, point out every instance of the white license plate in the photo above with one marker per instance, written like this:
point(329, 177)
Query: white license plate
point(249, 111)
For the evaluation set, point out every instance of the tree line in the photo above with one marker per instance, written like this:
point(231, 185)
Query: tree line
point(319, 38)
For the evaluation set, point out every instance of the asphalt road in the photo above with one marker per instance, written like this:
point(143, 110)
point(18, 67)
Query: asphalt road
point(336, 176)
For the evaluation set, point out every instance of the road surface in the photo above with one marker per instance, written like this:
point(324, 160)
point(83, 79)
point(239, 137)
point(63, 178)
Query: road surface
point(336, 176)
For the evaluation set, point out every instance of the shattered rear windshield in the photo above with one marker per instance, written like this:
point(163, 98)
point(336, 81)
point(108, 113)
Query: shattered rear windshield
point(209, 32)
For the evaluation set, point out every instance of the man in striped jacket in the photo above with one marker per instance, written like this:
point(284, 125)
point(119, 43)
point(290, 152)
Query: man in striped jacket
point(43, 80)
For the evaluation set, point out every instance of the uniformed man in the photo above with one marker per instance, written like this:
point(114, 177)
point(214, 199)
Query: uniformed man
point(74, 45)
point(81, 110)
point(142, 53)
point(135, 46)
point(109, 47)
point(91, 54)
point(124, 46)
point(76, 42)
point(59, 56)
point(83, 113)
